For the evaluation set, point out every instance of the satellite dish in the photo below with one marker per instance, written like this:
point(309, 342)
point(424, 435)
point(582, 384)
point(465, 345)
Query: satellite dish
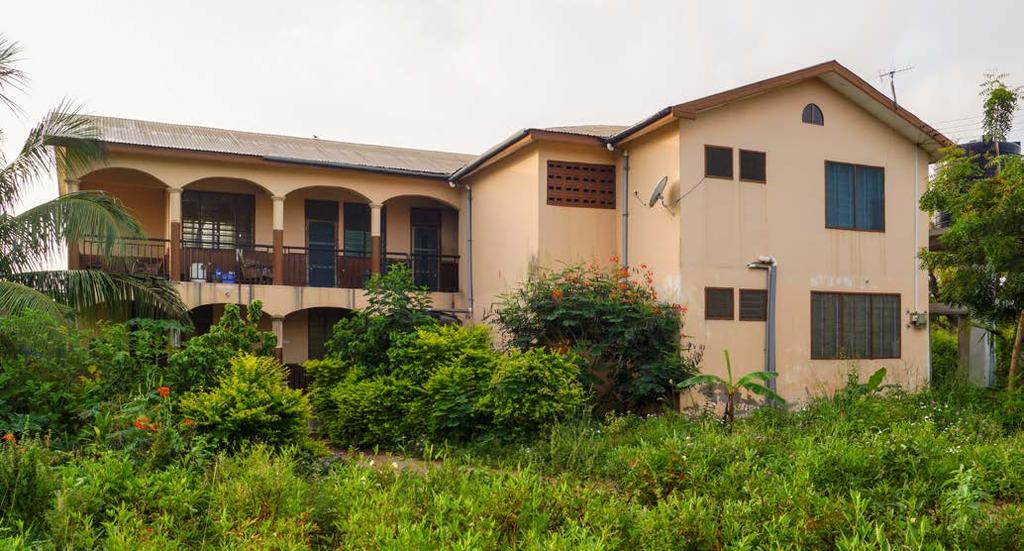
point(659, 190)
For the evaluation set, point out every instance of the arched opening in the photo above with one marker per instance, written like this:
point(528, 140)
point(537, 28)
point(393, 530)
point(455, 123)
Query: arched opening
point(306, 333)
point(226, 231)
point(145, 196)
point(326, 237)
point(422, 233)
point(812, 115)
point(207, 315)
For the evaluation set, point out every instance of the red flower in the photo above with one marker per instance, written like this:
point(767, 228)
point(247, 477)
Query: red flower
point(556, 294)
point(164, 391)
point(188, 422)
point(10, 438)
point(143, 423)
point(614, 259)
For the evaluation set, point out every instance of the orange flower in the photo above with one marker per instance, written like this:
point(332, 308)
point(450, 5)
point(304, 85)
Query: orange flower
point(10, 438)
point(164, 391)
point(143, 423)
point(623, 285)
point(614, 259)
point(556, 294)
point(188, 422)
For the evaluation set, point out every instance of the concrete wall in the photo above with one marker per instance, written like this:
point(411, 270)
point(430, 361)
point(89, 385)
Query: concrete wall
point(140, 193)
point(724, 224)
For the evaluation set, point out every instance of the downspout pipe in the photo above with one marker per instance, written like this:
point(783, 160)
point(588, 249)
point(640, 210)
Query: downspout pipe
point(469, 247)
point(625, 207)
point(770, 266)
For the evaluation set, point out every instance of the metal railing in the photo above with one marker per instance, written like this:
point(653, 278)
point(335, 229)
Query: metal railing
point(127, 256)
point(437, 272)
point(326, 267)
point(227, 263)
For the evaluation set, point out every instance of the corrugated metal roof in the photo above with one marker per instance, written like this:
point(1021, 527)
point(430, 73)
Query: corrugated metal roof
point(596, 130)
point(216, 140)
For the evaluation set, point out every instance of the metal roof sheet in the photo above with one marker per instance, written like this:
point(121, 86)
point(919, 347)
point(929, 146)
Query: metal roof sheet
point(215, 140)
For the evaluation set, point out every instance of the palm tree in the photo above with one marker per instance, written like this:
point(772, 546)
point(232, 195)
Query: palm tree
point(65, 141)
point(751, 382)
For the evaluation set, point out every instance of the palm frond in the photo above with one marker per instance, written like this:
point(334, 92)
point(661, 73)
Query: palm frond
point(761, 390)
point(16, 297)
point(701, 380)
point(12, 79)
point(94, 294)
point(79, 148)
point(30, 240)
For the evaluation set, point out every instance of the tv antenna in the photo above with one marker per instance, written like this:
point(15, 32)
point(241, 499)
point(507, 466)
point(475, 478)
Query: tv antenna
point(891, 75)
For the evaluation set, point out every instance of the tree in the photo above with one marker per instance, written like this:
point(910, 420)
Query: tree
point(753, 382)
point(981, 263)
point(30, 240)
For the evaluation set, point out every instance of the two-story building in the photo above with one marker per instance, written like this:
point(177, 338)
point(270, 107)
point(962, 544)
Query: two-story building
point(783, 214)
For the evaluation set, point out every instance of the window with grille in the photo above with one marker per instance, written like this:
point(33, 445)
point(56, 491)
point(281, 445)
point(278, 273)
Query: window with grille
point(581, 185)
point(752, 166)
point(855, 326)
point(717, 161)
point(854, 197)
point(718, 303)
point(217, 220)
point(753, 305)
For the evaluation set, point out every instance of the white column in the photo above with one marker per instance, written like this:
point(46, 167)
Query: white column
point(277, 324)
point(174, 204)
point(278, 212)
point(375, 219)
point(73, 185)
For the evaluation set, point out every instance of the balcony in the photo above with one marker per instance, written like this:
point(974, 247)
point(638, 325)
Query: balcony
point(206, 262)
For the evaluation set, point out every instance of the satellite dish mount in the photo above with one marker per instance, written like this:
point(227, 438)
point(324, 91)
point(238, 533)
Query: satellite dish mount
point(657, 195)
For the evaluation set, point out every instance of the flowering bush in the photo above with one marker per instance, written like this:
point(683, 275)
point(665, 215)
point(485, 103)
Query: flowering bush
point(611, 317)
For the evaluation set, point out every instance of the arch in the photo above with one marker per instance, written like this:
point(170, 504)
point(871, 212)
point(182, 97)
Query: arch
point(206, 315)
point(812, 115)
point(307, 330)
point(225, 183)
point(142, 193)
point(120, 175)
point(335, 191)
point(421, 196)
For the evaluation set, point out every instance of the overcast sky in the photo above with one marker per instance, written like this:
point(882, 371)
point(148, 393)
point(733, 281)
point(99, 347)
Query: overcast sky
point(461, 76)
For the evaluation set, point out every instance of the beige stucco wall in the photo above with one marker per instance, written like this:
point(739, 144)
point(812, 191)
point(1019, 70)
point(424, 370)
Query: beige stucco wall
point(573, 234)
point(505, 225)
point(143, 195)
point(399, 232)
point(295, 212)
point(725, 224)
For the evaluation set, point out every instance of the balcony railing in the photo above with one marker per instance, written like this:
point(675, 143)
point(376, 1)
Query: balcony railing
point(437, 272)
point(227, 263)
point(128, 256)
point(211, 262)
point(326, 267)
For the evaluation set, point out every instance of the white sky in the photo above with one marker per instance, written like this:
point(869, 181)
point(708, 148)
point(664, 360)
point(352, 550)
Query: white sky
point(461, 76)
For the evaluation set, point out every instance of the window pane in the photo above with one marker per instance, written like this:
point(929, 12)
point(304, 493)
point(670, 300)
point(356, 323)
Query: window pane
point(357, 229)
point(885, 326)
point(838, 195)
point(218, 220)
point(856, 320)
point(824, 325)
point(752, 165)
point(718, 304)
point(870, 198)
point(718, 161)
point(753, 305)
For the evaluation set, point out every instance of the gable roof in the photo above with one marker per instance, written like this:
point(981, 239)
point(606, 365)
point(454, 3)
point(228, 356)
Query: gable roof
point(832, 73)
point(285, 149)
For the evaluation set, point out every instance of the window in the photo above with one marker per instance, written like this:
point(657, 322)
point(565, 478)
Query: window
point(752, 166)
point(812, 115)
point(581, 185)
point(320, 329)
point(718, 303)
point(357, 229)
point(753, 305)
point(217, 220)
point(855, 326)
point(854, 197)
point(717, 161)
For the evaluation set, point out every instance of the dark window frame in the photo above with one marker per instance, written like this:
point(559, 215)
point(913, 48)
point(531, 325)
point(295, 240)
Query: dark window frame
point(764, 305)
point(732, 303)
point(764, 156)
point(814, 109)
point(213, 236)
point(856, 167)
point(871, 334)
point(732, 161)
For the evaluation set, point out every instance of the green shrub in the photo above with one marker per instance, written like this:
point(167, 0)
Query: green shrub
point(131, 357)
point(395, 306)
point(945, 356)
point(532, 390)
point(27, 482)
point(45, 374)
point(630, 342)
point(251, 403)
point(369, 412)
point(202, 360)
